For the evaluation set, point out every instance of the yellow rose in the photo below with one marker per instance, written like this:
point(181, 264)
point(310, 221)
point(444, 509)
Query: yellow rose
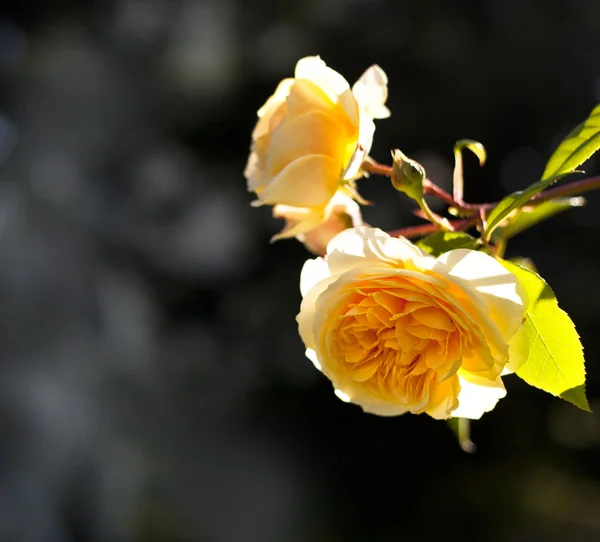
point(321, 225)
point(397, 330)
point(312, 137)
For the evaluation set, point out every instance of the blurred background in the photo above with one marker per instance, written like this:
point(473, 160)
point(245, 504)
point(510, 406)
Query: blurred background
point(153, 387)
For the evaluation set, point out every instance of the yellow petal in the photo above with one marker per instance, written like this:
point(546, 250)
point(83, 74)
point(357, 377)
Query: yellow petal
point(332, 83)
point(499, 287)
point(310, 133)
point(273, 107)
point(299, 220)
point(310, 181)
point(443, 399)
point(315, 70)
point(306, 96)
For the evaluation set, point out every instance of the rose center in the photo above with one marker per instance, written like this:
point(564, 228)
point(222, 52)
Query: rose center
point(398, 342)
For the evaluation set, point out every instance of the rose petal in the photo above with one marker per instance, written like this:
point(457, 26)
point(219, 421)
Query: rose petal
point(371, 92)
point(363, 147)
point(499, 286)
point(477, 395)
point(443, 399)
point(310, 181)
point(298, 220)
point(332, 83)
point(311, 133)
point(363, 244)
point(306, 96)
point(313, 272)
point(315, 70)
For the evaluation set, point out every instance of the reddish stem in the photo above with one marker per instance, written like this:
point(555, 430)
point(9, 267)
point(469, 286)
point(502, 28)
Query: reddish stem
point(479, 209)
point(425, 229)
point(571, 189)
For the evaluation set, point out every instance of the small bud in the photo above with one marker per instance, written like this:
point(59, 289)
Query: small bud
point(407, 175)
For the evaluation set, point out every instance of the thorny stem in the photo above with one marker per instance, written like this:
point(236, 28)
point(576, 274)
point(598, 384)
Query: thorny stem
point(424, 229)
point(478, 211)
point(572, 189)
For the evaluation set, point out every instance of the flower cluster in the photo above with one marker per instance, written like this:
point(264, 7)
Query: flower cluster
point(399, 327)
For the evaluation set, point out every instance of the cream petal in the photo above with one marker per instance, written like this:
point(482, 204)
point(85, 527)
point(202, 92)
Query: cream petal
point(477, 395)
point(314, 69)
point(500, 287)
point(273, 111)
point(343, 203)
point(299, 220)
point(312, 133)
point(313, 272)
point(381, 409)
point(331, 82)
point(310, 181)
point(483, 318)
point(371, 92)
point(348, 392)
point(306, 96)
point(363, 244)
point(278, 97)
point(253, 173)
point(312, 356)
point(313, 282)
point(350, 106)
point(363, 147)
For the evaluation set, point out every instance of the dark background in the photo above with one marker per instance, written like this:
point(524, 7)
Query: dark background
point(153, 387)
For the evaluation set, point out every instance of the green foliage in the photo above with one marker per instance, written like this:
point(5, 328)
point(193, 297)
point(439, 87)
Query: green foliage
point(546, 351)
point(474, 146)
point(576, 148)
point(440, 242)
point(407, 175)
point(514, 201)
point(530, 216)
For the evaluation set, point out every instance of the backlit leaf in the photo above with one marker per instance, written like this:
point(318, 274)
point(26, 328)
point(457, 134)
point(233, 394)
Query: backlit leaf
point(576, 148)
point(546, 351)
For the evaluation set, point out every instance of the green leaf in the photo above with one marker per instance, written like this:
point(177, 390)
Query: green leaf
point(457, 179)
point(474, 146)
point(576, 148)
point(546, 351)
point(530, 216)
point(514, 201)
point(440, 242)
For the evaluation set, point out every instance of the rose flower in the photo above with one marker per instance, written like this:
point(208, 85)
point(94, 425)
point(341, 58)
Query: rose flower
point(310, 140)
point(397, 330)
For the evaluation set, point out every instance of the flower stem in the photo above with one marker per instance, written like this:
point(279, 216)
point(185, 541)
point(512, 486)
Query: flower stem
point(476, 212)
point(572, 189)
point(464, 435)
point(425, 229)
